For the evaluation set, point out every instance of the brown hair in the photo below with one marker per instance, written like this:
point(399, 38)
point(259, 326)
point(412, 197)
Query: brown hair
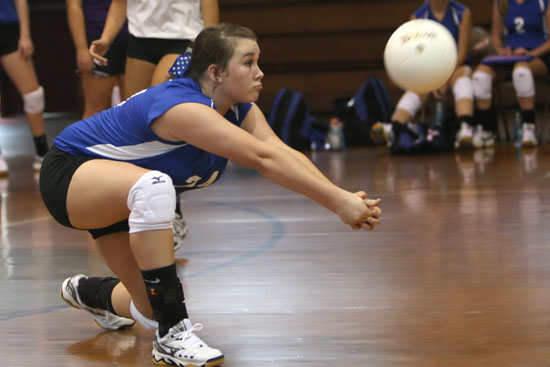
point(215, 45)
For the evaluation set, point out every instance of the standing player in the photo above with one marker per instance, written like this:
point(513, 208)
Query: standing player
point(457, 18)
point(86, 20)
point(116, 174)
point(524, 25)
point(160, 31)
point(16, 51)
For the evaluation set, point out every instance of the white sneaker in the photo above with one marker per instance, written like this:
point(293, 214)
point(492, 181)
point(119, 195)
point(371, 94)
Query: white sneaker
point(464, 137)
point(37, 163)
point(483, 138)
point(382, 133)
point(180, 231)
point(105, 319)
point(181, 347)
point(3, 167)
point(528, 135)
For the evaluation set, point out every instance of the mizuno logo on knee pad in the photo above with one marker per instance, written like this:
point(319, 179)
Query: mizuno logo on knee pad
point(157, 180)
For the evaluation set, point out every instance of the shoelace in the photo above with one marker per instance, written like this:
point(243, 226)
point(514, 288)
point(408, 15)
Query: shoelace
point(191, 340)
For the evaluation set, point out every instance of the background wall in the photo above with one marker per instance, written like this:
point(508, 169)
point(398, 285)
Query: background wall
point(324, 48)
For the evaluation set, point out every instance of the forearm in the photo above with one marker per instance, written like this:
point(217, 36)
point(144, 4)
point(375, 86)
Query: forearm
point(75, 19)
point(309, 165)
point(541, 50)
point(210, 12)
point(22, 9)
point(285, 169)
point(115, 20)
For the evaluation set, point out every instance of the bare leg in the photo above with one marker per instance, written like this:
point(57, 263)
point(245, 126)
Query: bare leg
point(485, 104)
point(538, 68)
point(464, 106)
point(137, 76)
point(161, 71)
point(101, 187)
point(21, 72)
point(97, 93)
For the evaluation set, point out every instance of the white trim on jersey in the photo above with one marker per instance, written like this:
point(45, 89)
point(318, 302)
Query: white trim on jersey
point(543, 11)
point(455, 17)
point(132, 152)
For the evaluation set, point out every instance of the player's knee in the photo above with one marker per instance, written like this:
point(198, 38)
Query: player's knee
point(152, 202)
point(482, 85)
point(523, 81)
point(33, 102)
point(410, 102)
point(463, 89)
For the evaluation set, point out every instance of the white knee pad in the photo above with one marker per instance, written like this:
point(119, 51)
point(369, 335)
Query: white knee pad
point(410, 102)
point(524, 84)
point(152, 202)
point(483, 85)
point(33, 102)
point(463, 89)
point(148, 324)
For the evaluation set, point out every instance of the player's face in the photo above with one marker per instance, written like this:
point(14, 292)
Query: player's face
point(242, 80)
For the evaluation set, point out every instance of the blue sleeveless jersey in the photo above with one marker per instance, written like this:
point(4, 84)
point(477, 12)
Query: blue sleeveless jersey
point(525, 24)
point(8, 14)
point(122, 133)
point(451, 20)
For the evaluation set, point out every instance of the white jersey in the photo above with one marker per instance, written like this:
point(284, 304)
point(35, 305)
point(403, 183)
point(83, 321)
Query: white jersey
point(168, 19)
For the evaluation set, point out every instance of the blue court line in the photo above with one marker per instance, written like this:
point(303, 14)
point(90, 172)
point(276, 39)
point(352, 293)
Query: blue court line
point(276, 234)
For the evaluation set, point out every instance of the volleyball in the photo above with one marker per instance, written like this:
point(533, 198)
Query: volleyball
point(420, 56)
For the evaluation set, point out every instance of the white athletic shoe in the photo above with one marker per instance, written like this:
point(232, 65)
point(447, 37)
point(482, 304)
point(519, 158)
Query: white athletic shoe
point(528, 136)
point(181, 347)
point(464, 137)
point(180, 231)
point(105, 319)
point(3, 167)
point(382, 133)
point(482, 138)
point(37, 163)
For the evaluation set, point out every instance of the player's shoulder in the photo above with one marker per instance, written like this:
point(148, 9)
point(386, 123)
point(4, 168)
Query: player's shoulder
point(184, 90)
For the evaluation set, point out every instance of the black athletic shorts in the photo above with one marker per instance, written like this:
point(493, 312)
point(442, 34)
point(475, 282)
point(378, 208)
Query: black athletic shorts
point(116, 54)
point(153, 49)
point(56, 173)
point(9, 38)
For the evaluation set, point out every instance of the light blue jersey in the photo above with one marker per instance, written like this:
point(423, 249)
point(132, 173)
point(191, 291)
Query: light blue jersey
point(8, 14)
point(526, 24)
point(123, 133)
point(451, 20)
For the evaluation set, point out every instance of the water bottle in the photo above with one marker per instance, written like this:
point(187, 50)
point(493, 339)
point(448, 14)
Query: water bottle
point(517, 126)
point(335, 138)
point(439, 118)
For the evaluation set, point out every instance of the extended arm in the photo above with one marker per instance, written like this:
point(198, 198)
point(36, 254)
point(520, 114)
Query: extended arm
point(210, 12)
point(208, 130)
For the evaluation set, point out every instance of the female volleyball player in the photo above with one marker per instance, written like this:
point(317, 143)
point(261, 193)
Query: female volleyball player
point(116, 174)
point(86, 21)
point(16, 49)
point(524, 25)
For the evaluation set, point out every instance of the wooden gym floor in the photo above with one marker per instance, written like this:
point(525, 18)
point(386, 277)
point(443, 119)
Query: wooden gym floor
point(457, 274)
